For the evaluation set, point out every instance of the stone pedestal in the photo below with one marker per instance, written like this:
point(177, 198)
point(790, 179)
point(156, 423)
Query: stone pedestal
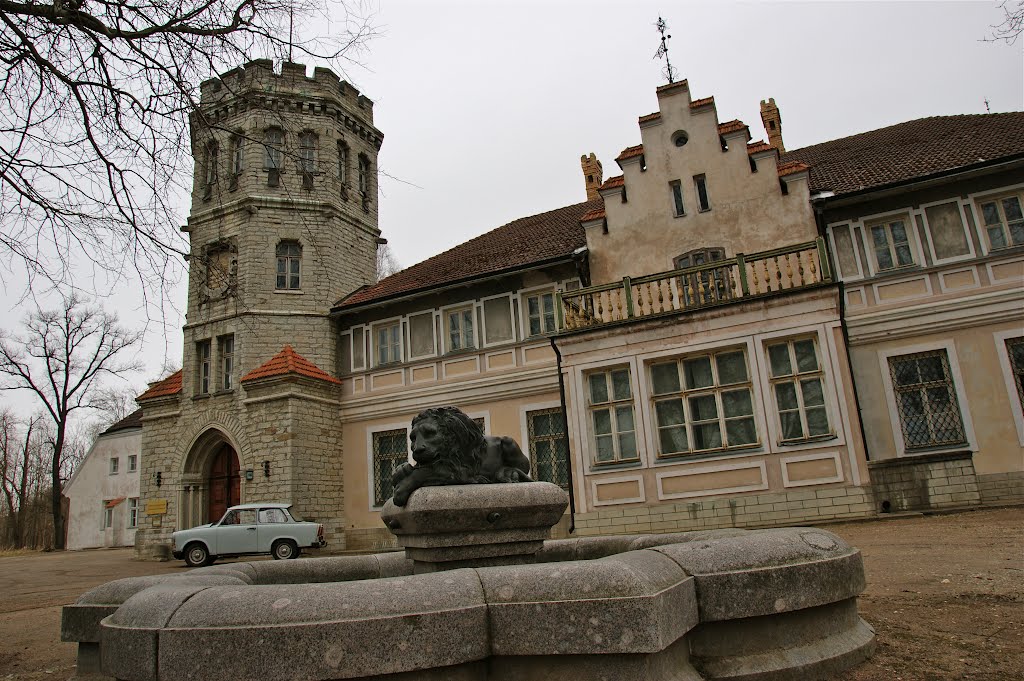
point(444, 528)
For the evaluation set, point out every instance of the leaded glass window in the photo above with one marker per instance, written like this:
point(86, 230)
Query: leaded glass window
point(926, 400)
point(1015, 350)
point(549, 447)
point(611, 416)
point(703, 402)
point(798, 386)
point(390, 450)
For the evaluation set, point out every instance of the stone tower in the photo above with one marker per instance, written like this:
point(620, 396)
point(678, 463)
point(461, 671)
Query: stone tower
point(283, 224)
point(593, 175)
point(772, 120)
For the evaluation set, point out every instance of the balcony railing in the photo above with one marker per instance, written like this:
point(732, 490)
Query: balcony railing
point(716, 283)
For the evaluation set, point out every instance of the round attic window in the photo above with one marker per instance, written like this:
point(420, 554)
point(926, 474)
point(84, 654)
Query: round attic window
point(680, 138)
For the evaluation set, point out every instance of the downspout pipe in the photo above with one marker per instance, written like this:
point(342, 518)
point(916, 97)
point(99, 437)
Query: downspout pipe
point(565, 429)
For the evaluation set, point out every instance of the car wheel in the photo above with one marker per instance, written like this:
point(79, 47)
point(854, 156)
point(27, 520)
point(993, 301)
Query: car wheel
point(196, 555)
point(284, 549)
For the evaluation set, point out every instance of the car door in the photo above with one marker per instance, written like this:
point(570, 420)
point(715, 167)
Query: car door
point(237, 532)
point(271, 526)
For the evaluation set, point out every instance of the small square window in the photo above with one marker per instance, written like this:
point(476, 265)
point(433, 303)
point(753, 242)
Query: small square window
point(133, 463)
point(114, 465)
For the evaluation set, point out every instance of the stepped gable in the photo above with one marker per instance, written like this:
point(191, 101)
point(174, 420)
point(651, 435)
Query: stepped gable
point(163, 388)
point(133, 420)
point(288, 362)
point(911, 150)
point(527, 241)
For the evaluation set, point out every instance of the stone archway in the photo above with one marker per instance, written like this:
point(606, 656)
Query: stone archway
point(211, 480)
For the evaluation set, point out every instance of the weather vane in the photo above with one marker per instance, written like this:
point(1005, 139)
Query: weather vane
point(669, 72)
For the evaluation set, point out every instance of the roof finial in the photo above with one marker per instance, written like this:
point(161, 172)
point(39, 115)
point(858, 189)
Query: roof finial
point(668, 72)
point(987, 109)
point(291, 30)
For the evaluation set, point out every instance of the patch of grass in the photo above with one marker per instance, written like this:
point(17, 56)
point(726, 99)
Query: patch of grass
point(10, 553)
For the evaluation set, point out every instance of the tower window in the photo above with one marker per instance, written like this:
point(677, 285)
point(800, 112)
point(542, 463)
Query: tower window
point(364, 180)
point(700, 183)
point(678, 209)
point(210, 169)
point(203, 367)
point(343, 154)
point(226, 350)
point(237, 155)
point(289, 264)
point(307, 152)
point(273, 145)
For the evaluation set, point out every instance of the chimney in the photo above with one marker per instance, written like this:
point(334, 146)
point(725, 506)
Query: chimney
point(772, 120)
point(592, 175)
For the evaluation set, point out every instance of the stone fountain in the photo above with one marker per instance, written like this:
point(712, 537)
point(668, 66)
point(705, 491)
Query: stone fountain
point(480, 594)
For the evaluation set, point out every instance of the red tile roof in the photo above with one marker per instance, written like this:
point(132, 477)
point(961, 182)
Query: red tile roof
point(114, 502)
point(593, 215)
point(731, 126)
point(523, 242)
point(613, 182)
point(164, 388)
point(911, 150)
point(288, 362)
point(791, 168)
point(758, 146)
point(672, 86)
point(650, 117)
point(133, 420)
point(698, 103)
point(630, 152)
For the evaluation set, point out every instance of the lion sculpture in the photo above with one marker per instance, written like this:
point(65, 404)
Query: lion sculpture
point(451, 449)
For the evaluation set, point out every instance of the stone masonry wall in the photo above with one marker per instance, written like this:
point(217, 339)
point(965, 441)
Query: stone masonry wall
point(1002, 488)
point(925, 482)
point(760, 510)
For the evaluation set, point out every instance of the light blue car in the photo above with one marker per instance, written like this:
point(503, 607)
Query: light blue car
point(248, 529)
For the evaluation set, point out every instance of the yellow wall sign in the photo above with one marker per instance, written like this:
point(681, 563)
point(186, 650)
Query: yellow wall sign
point(156, 506)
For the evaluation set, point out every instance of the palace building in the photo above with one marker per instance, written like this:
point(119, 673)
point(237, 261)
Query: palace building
point(726, 334)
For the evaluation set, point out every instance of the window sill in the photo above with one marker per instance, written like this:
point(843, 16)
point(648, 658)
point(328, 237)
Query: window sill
point(201, 396)
point(807, 440)
point(288, 291)
point(614, 466)
point(753, 448)
point(460, 351)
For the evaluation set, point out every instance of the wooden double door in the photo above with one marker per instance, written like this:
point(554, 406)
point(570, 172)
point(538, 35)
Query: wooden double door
point(224, 483)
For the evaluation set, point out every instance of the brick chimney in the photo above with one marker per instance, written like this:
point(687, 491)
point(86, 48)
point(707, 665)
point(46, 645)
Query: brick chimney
point(592, 175)
point(772, 120)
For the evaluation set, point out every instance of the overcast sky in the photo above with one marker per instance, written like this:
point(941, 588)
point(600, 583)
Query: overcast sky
point(487, 106)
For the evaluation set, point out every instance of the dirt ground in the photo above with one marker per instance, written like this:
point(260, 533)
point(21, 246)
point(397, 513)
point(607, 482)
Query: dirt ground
point(945, 596)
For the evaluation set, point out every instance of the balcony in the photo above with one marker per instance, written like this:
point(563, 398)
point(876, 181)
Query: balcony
point(721, 282)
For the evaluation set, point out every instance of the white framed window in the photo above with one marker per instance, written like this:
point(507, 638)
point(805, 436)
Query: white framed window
point(273, 148)
point(421, 335)
point(390, 449)
point(289, 266)
point(358, 348)
point(108, 515)
point(1002, 220)
point(388, 342)
point(226, 358)
point(926, 400)
point(133, 513)
point(497, 318)
point(203, 367)
point(459, 325)
point(133, 463)
point(798, 386)
point(114, 465)
point(540, 313)
point(612, 422)
point(845, 251)
point(890, 241)
point(703, 403)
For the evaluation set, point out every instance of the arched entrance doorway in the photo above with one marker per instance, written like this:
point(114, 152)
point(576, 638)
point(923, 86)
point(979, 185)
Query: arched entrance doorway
point(223, 483)
point(210, 479)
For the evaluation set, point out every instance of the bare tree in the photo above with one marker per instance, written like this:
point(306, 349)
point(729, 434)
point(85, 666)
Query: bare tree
point(95, 98)
point(1012, 25)
point(387, 263)
point(60, 356)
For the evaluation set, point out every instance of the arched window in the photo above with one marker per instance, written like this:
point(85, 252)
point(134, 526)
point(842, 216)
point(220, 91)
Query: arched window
point(273, 147)
point(307, 152)
point(289, 265)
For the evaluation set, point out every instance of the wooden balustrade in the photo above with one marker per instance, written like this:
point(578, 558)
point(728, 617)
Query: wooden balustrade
point(716, 283)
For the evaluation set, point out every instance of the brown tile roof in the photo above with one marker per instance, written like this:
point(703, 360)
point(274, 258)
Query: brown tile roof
point(911, 150)
point(791, 168)
point(650, 117)
point(613, 182)
point(288, 362)
point(731, 126)
point(672, 86)
point(164, 388)
point(630, 152)
point(758, 146)
point(114, 502)
point(593, 215)
point(698, 103)
point(133, 420)
point(523, 242)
